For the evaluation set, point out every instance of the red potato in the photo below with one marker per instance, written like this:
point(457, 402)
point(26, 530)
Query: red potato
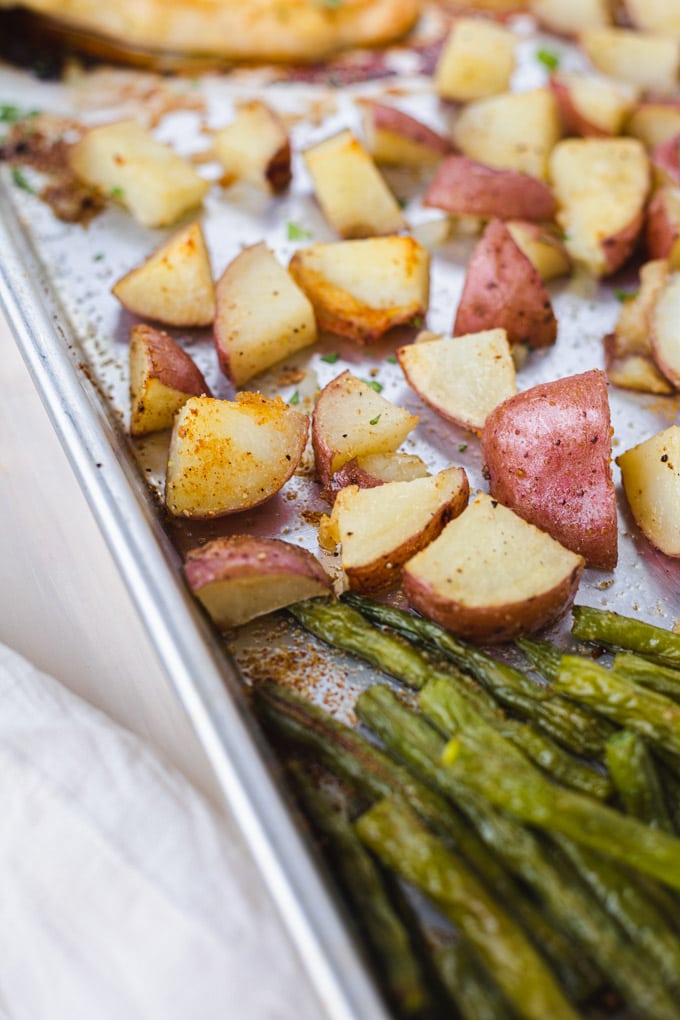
point(503, 291)
point(664, 322)
point(544, 249)
point(227, 456)
point(644, 59)
point(591, 105)
point(548, 452)
point(464, 378)
point(375, 469)
point(381, 528)
point(393, 136)
point(666, 161)
point(601, 186)
point(351, 420)
point(628, 352)
point(491, 576)
point(464, 187)
point(255, 148)
point(631, 371)
point(654, 122)
point(651, 480)
point(162, 378)
point(174, 285)
point(239, 578)
point(661, 16)
point(569, 17)
point(662, 229)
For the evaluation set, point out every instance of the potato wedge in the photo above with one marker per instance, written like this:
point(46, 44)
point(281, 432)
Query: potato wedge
point(230, 456)
point(261, 315)
point(569, 17)
point(162, 378)
point(662, 229)
point(491, 576)
point(662, 16)
point(664, 321)
point(545, 250)
point(477, 60)
point(548, 452)
point(511, 131)
point(240, 577)
point(375, 469)
point(666, 162)
point(464, 187)
point(127, 163)
point(394, 137)
point(601, 186)
point(502, 290)
point(174, 285)
point(654, 122)
point(643, 59)
point(592, 105)
point(651, 480)
point(352, 420)
point(255, 147)
point(628, 350)
point(381, 528)
point(361, 289)
point(352, 193)
point(462, 379)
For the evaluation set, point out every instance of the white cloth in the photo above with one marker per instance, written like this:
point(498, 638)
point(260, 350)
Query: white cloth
point(121, 895)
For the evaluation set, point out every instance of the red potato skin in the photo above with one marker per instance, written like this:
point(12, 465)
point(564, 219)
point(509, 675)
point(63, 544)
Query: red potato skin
point(619, 247)
point(169, 363)
point(548, 456)
point(661, 231)
point(464, 187)
point(389, 118)
point(350, 474)
point(573, 121)
point(503, 290)
point(238, 556)
point(666, 159)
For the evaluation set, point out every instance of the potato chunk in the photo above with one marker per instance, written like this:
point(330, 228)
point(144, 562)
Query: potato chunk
point(568, 17)
point(628, 350)
point(651, 480)
point(162, 378)
point(229, 456)
point(641, 58)
point(126, 162)
point(255, 148)
point(477, 60)
point(394, 137)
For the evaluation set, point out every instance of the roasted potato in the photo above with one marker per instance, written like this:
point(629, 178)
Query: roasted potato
point(477, 60)
point(592, 105)
point(660, 16)
point(569, 17)
point(375, 469)
point(394, 137)
point(666, 161)
point(542, 247)
point(628, 351)
point(464, 187)
point(662, 229)
point(654, 122)
point(255, 148)
point(162, 378)
point(664, 320)
point(643, 59)
point(651, 480)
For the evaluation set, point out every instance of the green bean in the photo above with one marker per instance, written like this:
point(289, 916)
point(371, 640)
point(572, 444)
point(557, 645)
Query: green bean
point(475, 995)
point(543, 656)
point(639, 670)
point(624, 633)
point(635, 776)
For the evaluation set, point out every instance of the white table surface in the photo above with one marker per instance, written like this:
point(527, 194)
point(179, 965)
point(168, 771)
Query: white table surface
point(64, 605)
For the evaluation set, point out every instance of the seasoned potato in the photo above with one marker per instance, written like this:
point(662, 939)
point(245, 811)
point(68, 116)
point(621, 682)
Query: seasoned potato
point(351, 420)
point(651, 481)
point(162, 378)
point(628, 350)
point(127, 163)
point(491, 576)
point(664, 318)
point(666, 162)
point(229, 456)
point(569, 17)
point(661, 16)
point(644, 59)
point(662, 230)
point(477, 60)
point(361, 289)
point(174, 285)
point(262, 315)
point(255, 148)
point(462, 379)
point(393, 136)
point(601, 186)
point(548, 451)
point(502, 290)
point(592, 105)
point(511, 131)
point(240, 577)
point(353, 195)
point(464, 187)
point(545, 251)
point(654, 122)
point(375, 469)
point(380, 528)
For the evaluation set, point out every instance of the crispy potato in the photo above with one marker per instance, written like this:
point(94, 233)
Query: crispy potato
point(255, 148)
point(664, 321)
point(545, 251)
point(662, 16)
point(174, 285)
point(511, 131)
point(375, 469)
point(491, 576)
point(662, 229)
point(127, 163)
point(502, 290)
point(240, 577)
point(230, 456)
point(651, 480)
point(548, 451)
point(569, 17)
point(628, 352)
point(262, 315)
point(162, 378)
point(654, 122)
point(352, 194)
point(666, 161)
point(361, 289)
point(462, 379)
point(381, 528)
point(591, 105)
point(394, 137)
point(641, 58)
point(601, 186)
point(351, 420)
point(477, 60)
point(464, 187)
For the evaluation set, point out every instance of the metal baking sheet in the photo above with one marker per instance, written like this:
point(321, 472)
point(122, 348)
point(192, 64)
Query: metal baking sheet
point(55, 282)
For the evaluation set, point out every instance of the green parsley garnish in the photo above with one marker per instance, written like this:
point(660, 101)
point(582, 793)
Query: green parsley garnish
point(392, 358)
point(625, 295)
point(9, 113)
point(98, 257)
point(116, 193)
point(548, 59)
point(21, 181)
point(374, 384)
point(402, 202)
point(331, 358)
point(462, 448)
point(295, 232)
point(374, 421)
point(295, 399)
point(417, 321)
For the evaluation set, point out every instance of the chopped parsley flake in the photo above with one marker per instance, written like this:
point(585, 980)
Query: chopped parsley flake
point(295, 232)
point(391, 358)
point(21, 181)
point(116, 193)
point(625, 295)
point(295, 399)
point(374, 421)
point(374, 384)
point(98, 257)
point(9, 113)
point(462, 448)
point(548, 58)
point(331, 358)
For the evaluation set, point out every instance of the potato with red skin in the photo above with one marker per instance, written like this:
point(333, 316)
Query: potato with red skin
point(240, 577)
point(592, 106)
point(503, 290)
point(666, 161)
point(548, 456)
point(162, 378)
point(464, 187)
point(662, 229)
point(393, 136)
point(569, 17)
point(654, 121)
point(375, 469)
point(628, 350)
